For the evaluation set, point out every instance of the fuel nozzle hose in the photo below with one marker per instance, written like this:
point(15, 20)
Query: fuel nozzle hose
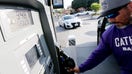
point(67, 62)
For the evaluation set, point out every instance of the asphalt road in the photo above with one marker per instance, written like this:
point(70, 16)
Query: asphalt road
point(85, 33)
point(86, 42)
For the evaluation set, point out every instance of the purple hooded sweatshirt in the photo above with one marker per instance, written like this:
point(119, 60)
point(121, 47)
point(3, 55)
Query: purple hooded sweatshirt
point(116, 41)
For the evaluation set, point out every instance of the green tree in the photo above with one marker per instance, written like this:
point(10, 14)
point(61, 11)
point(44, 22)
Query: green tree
point(82, 3)
point(89, 2)
point(95, 6)
point(78, 3)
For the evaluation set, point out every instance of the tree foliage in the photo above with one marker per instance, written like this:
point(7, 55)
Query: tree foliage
point(95, 6)
point(78, 3)
point(82, 3)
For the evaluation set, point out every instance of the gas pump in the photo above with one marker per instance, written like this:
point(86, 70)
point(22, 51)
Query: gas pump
point(26, 41)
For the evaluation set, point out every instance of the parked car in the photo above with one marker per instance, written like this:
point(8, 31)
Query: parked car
point(90, 12)
point(85, 13)
point(81, 13)
point(69, 22)
point(103, 24)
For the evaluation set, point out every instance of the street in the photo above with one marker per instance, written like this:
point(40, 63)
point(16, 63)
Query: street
point(86, 33)
point(86, 42)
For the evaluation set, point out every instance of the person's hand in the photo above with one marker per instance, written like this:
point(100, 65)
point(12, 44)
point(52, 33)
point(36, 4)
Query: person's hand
point(76, 70)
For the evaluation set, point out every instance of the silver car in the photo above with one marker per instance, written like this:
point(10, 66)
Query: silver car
point(69, 22)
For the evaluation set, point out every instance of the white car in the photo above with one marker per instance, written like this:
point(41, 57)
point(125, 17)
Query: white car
point(69, 21)
point(90, 12)
point(81, 13)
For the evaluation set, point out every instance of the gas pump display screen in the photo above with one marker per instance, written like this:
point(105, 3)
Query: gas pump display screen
point(32, 56)
point(16, 18)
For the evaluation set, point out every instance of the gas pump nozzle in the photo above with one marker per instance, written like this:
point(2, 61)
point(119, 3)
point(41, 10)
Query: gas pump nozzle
point(66, 62)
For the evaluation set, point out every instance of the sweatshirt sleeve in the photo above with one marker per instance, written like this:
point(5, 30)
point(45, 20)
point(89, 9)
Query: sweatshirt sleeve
point(97, 56)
